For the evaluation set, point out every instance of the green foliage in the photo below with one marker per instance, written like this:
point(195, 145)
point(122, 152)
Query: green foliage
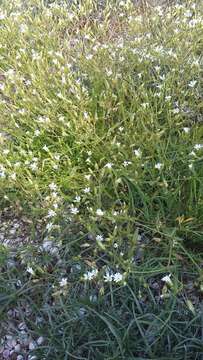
point(101, 149)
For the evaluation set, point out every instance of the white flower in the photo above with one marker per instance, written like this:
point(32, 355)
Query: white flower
point(52, 186)
point(99, 238)
point(108, 72)
point(33, 166)
point(54, 194)
point(37, 133)
point(51, 213)
point(167, 280)
point(77, 199)
point(192, 83)
point(74, 210)
point(86, 190)
point(186, 130)
point(2, 174)
point(198, 146)
point(63, 79)
point(45, 148)
point(30, 270)
point(6, 151)
point(99, 212)
point(158, 166)
point(126, 163)
point(89, 56)
point(190, 166)
point(23, 28)
point(115, 245)
point(60, 95)
point(108, 277)
point(87, 177)
point(2, 16)
point(88, 160)
point(168, 98)
point(13, 176)
point(176, 111)
point(63, 282)
point(56, 156)
point(144, 105)
point(108, 165)
point(86, 115)
point(117, 277)
point(137, 153)
point(90, 275)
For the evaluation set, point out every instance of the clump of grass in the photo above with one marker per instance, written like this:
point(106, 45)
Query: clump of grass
point(101, 153)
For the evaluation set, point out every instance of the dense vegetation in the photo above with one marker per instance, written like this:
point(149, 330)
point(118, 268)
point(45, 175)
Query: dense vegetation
point(101, 153)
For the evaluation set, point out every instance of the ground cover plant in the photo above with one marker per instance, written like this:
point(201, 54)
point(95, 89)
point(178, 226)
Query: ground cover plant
point(101, 195)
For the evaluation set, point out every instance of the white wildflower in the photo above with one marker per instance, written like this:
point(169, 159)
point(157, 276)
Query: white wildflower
point(37, 132)
point(117, 277)
point(192, 83)
point(86, 115)
point(198, 146)
point(126, 163)
point(145, 105)
point(6, 151)
point(108, 165)
point(87, 177)
point(33, 166)
point(89, 56)
point(167, 280)
point(77, 199)
point(176, 111)
point(23, 28)
point(52, 186)
point(99, 238)
point(108, 277)
point(186, 130)
point(90, 275)
point(86, 190)
point(74, 210)
point(2, 174)
point(158, 166)
point(45, 148)
point(13, 176)
point(137, 152)
point(63, 282)
point(51, 213)
point(99, 212)
point(30, 270)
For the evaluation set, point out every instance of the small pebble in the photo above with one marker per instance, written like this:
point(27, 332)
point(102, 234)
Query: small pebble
point(17, 348)
point(32, 345)
point(6, 354)
point(20, 357)
point(40, 340)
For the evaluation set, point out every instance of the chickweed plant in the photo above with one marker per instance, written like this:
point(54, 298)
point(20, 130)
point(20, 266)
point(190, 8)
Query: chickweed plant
point(101, 180)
